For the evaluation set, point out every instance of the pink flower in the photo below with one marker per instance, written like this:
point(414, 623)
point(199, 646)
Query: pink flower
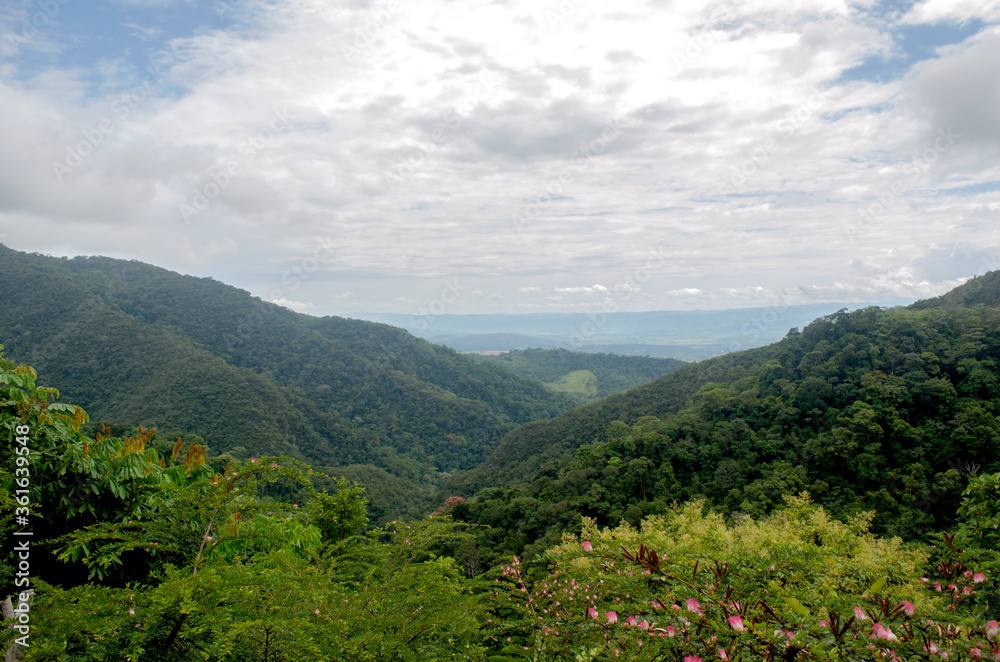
point(317, 612)
point(630, 620)
point(253, 460)
point(131, 612)
point(612, 617)
point(978, 578)
point(274, 465)
point(937, 586)
point(691, 658)
point(670, 630)
point(881, 632)
point(736, 623)
point(693, 606)
point(992, 629)
point(860, 614)
point(592, 613)
point(644, 625)
point(976, 653)
point(723, 655)
point(587, 547)
point(908, 608)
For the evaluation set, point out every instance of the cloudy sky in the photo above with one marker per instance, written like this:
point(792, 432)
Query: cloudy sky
point(513, 155)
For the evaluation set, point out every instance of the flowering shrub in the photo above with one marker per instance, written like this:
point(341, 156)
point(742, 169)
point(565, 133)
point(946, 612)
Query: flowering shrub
point(796, 586)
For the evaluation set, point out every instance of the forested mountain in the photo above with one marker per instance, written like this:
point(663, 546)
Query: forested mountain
point(884, 410)
point(590, 376)
point(138, 344)
point(122, 553)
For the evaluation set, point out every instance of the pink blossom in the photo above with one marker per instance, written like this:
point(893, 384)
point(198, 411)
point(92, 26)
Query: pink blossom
point(691, 658)
point(317, 612)
point(587, 547)
point(274, 465)
point(908, 608)
point(131, 612)
point(693, 606)
point(736, 623)
point(937, 586)
point(670, 630)
point(881, 632)
point(630, 620)
point(644, 625)
point(592, 613)
point(723, 655)
point(612, 617)
point(860, 614)
point(253, 460)
point(978, 578)
point(992, 629)
point(976, 653)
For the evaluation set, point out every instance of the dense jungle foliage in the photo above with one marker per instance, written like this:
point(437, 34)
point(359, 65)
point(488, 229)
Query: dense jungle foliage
point(141, 556)
point(877, 410)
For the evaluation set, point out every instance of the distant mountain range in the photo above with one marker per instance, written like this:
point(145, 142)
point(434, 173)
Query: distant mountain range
point(687, 335)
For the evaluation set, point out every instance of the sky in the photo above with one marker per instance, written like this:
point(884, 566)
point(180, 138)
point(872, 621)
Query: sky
point(433, 156)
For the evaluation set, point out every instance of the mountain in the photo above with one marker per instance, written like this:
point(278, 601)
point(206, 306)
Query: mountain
point(591, 376)
point(881, 410)
point(134, 343)
point(689, 335)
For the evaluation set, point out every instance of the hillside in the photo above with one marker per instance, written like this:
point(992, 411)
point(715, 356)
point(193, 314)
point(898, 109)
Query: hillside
point(591, 376)
point(135, 343)
point(884, 410)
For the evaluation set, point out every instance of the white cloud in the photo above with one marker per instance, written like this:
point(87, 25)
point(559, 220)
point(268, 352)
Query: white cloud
point(958, 11)
point(298, 306)
point(746, 160)
point(596, 289)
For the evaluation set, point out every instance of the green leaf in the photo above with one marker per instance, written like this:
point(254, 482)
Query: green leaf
point(797, 607)
point(877, 586)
